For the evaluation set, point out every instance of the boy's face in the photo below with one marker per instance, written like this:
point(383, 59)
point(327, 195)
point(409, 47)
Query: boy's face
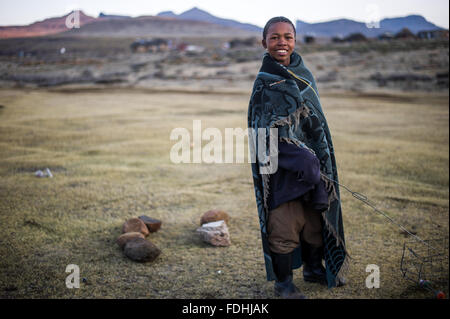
point(280, 42)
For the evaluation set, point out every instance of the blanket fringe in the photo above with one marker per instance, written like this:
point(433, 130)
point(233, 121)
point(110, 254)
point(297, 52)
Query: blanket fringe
point(265, 180)
point(293, 118)
point(330, 188)
point(332, 196)
point(344, 269)
point(346, 264)
point(290, 141)
point(331, 229)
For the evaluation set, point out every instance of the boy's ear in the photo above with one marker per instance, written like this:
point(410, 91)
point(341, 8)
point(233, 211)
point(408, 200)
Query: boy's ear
point(264, 44)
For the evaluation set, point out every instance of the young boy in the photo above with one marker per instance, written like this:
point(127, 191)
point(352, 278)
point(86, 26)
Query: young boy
point(298, 205)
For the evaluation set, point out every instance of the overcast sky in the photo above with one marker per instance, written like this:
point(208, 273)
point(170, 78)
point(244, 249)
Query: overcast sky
point(22, 12)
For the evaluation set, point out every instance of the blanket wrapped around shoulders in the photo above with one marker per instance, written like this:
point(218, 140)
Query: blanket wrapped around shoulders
point(287, 99)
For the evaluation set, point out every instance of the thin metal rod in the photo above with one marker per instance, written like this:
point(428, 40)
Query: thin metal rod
point(365, 200)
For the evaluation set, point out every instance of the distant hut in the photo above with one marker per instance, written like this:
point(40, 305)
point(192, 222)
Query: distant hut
point(386, 36)
point(181, 46)
point(155, 45)
point(337, 39)
point(243, 43)
point(356, 37)
point(404, 34)
point(433, 34)
point(192, 48)
point(309, 39)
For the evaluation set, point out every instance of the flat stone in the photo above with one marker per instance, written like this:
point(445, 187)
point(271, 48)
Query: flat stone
point(215, 233)
point(152, 224)
point(141, 250)
point(126, 237)
point(135, 225)
point(213, 216)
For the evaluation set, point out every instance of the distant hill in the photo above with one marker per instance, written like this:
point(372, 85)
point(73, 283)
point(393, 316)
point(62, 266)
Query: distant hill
point(167, 14)
point(345, 27)
point(44, 27)
point(414, 23)
point(153, 26)
point(197, 14)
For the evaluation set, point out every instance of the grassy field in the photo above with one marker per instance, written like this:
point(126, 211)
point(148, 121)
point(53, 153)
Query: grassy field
point(109, 153)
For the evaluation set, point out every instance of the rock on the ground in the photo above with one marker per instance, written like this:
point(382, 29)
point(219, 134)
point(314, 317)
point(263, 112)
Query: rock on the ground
point(126, 237)
point(214, 215)
point(135, 225)
point(152, 224)
point(215, 233)
point(141, 250)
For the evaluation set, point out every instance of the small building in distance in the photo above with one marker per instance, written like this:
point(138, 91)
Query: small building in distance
point(405, 34)
point(433, 34)
point(355, 37)
point(243, 43)
point(309, 39)
point(386, 36)
point(154, 45)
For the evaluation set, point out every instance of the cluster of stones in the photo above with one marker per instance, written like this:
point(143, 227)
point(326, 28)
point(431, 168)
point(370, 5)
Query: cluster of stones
point(133, 240)
point(214, 228)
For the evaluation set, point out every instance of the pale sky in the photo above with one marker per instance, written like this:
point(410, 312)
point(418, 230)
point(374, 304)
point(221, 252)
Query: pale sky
point(22, 12)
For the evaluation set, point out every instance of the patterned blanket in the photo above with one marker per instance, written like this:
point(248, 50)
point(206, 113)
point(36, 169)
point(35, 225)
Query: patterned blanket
point(287, 99)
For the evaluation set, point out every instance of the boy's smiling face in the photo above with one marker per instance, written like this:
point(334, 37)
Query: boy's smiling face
point(280, 42)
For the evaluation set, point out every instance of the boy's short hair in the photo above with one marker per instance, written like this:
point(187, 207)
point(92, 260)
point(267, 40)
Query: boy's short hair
point(276, 20)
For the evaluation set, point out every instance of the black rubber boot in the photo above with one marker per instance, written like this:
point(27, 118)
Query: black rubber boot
point(284, 286)
point(313, 269)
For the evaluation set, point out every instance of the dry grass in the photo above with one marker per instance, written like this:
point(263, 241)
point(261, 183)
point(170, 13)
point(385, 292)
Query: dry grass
point(109, 153)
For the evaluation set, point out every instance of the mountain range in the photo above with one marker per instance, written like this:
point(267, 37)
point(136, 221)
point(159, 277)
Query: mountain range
point(197, 14)
point(345, 27)
point(197, 22)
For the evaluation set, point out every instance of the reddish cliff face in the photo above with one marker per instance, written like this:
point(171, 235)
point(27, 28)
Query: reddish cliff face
point(45, 27)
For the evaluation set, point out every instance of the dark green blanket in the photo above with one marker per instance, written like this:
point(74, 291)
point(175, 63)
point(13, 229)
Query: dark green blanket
point(286, 98)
